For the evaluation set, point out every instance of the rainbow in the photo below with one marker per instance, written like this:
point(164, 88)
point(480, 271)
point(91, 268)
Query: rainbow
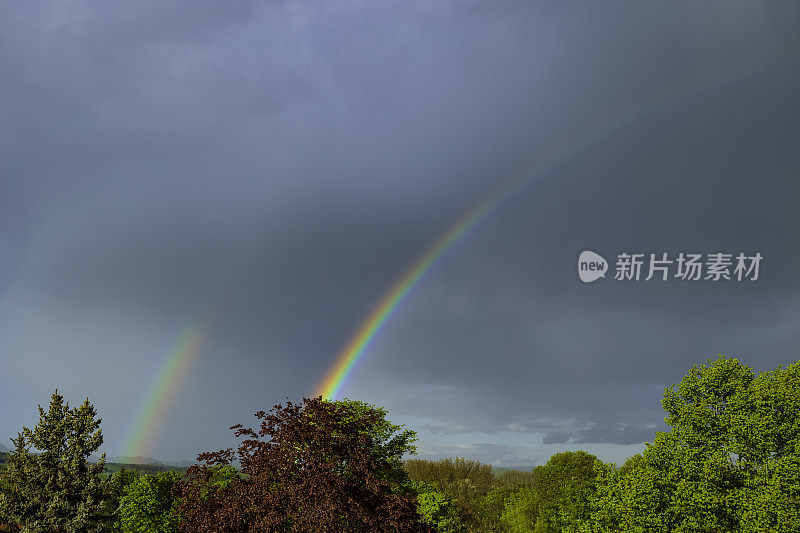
point(392, 300)
point(163, 389)
point(558, 155)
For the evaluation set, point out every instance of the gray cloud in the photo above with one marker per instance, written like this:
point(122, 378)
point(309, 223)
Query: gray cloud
point(483, 451)
point(556, 437)
point(281, 164)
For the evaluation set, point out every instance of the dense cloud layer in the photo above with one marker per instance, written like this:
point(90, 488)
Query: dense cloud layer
point(274, 167)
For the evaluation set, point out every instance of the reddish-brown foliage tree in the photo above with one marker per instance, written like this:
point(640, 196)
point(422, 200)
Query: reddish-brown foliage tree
point(319, 466)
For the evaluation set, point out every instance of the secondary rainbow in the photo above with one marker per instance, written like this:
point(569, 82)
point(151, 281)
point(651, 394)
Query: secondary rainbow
point(559, 154)
point(163, 389)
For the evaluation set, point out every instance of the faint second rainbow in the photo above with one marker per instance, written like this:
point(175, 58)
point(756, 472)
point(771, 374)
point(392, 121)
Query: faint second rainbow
point(163, 389)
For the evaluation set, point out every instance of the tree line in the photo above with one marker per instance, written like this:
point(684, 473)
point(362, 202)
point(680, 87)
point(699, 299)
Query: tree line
point(730, 462)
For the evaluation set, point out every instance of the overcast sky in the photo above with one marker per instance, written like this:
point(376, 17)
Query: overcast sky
point(280, 164)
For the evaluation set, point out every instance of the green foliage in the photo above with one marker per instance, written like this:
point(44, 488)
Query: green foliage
point(564, 486)
point(57, 489)
point(554, 498)
point(637, 496)
point(488, 510)
point(388, 442)
point(148, 504)
point(440, 510)
point(773, 497)
point(220, 478)
point(521, 510)
point(465, 484)
point(149, 468)
point(513, 479)
point(729, 463)
point(5, 521)
point(115, 488)
point(459, 478)
point(224, 476)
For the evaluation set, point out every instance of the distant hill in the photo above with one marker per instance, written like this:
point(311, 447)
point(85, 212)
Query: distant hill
point(116, 462)
point(122, 459)
point(142, 468)
point(500, 469)
point(150, 467)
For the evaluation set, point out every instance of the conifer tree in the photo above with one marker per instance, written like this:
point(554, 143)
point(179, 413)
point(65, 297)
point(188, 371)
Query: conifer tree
point(53, 488)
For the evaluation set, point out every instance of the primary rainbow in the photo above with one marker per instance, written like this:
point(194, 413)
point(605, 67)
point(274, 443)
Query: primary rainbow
point(400, 291)
point(163, 389)
point(558, 155)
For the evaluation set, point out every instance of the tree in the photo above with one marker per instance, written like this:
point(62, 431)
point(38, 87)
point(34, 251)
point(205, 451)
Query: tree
point(637, 497)
point(728, 463)
point(318, 466)
point(766, 435)
point(490, 508)
point(148, 504)
point(460, 478)
point(563, 488)
point(6, 524)
point(466, 484)
point(440, 509)
point(57, 489)
point(521, 510)
point(115, 488)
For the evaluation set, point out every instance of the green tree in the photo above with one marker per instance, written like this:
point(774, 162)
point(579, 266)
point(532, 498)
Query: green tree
point(467, 484)
point(57, 489)
point(489, 509)
point(148, 504)
point(765, 431)
point(728, 463)
point(638, 496)
point(514, 479)
point(772, 501)
point(6, 524)
point(115, 489)
point(564, 486)
point(461, 478)
point(440, 510)
point(521, 510)
point(220, 477)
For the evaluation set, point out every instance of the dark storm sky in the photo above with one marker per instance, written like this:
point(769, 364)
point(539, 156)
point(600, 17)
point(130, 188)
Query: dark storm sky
point(281, 164)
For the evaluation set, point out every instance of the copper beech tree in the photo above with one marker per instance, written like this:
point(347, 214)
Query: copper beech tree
point(318, 466)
